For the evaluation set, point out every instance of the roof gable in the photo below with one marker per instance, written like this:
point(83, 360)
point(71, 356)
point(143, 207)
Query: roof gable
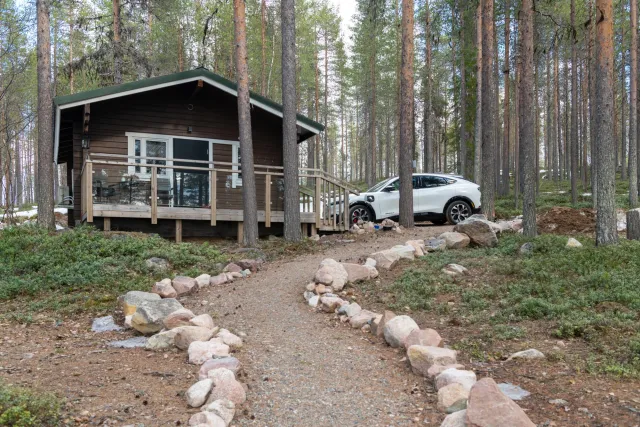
point(125, 89)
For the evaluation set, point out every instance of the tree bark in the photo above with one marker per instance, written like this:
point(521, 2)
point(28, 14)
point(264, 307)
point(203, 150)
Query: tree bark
point(406, 117)
point(477, 159)
point(633, 109)
point(574, 108)
point(290, 143)
point(46, 217)
point(249, 203)
point(504, 187)
point(117, 50)
point(428, 131)
point(463, 99)
point(488, 105)
point(623, 98)
point(527, 121)
point(263, 32)
point(606, 230)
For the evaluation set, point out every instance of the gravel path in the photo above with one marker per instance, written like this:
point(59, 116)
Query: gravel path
point(304, 368)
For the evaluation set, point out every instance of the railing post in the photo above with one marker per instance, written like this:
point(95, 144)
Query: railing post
point(89, 171)
point(318, 202)
point(154, 195)
point(346, 220)
point(267, 200)
point(214, 181)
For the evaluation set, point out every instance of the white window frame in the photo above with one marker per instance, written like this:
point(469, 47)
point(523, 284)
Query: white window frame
point(236, 180)
point(144, 171)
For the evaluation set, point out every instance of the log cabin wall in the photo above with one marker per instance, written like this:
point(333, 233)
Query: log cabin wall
point(209, 112)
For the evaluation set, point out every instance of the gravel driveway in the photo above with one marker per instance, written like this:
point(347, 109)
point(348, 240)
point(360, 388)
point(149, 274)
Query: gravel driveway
point(305, 369)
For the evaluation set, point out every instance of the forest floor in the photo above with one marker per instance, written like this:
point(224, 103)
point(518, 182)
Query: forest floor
point(308, 369)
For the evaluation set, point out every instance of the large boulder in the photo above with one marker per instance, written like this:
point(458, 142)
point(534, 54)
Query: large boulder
point(487, 406)
point(398, 329)
point(223, 408)
point(387, 259)
point(358, 273)
point(178, 318)
point(250, 264)
point(332, 273)
point(164, 289)
point(188, 334)
point(426, 337)
point(218, 280)
point(456, 376)
point(162, 340)
point(479, 230)
point(232, 340)
point(362, 318)
point(130, 301)
point(456, 419)
point(201, 351)
point(418, 245)
point(206, 419)
point(203, 320)
point(377, 325)
point(184, 285)
point(452, 398)
point(149, 317)
point(203, 280)
point(350, 310)
point(232, 268)
point(432, 245)
point(197, 394)
point(455, 240)
point(230, 363)
point(225, 386)
point(422, 358)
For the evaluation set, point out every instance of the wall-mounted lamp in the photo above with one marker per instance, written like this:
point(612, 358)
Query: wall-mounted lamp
point(190, 129)
point(86, 141)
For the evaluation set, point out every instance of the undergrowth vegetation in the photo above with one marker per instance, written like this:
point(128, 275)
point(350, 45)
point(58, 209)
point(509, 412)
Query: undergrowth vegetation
point(587, 293)
point(20, 407)
point(84, 269)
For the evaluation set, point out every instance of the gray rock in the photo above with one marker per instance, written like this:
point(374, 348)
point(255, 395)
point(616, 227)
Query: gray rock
point(198, 393)
point(488, 406)
point(397, 329)
point(162, 340)
point(313, 301)
point(432, 245)
point(422, 358)
point(350, 310)
point(157, 264)
point(149, 317)
point(452, 398)
point(526, 249)
point(184, 285)
point(188, 334)
point(479, 229)
point(573, 243)
point(531, 353)
point(135, 342)
point(457, 419)
point(308, 295)
point(230, 363)
point(130, 301)
point(223, 408)
point(455, 240)
point(456, 376)
point(203, 280)
point(104, 324)
point(364, 317)
point(513, 392)
point(206, 419)
point(455, 270)
point(332, 273)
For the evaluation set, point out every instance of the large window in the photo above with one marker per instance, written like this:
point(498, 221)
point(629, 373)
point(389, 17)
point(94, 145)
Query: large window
point(156, 148)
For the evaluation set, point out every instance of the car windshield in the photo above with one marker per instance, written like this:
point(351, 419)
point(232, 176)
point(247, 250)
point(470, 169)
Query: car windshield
point(379, 186)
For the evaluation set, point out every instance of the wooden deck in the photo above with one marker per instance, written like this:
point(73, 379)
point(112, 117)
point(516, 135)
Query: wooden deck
point(317, 196)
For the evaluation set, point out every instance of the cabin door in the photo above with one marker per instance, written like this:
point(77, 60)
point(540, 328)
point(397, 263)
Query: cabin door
point(191, 187)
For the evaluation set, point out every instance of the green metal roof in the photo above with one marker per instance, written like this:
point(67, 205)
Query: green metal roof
point(113, 91)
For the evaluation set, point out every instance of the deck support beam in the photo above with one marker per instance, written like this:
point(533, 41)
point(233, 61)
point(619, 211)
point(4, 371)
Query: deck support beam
point(178, 231)
point(214, 214)
point(240, 232)
point(107, 224)
point(154, 195)
point(267, 201)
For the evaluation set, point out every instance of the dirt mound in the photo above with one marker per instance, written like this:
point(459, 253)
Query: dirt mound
point(561, 220)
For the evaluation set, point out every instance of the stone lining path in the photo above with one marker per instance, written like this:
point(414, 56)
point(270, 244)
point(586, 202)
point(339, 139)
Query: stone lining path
point(302, 372)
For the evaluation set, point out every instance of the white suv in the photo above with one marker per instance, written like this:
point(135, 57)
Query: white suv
point(436, 197)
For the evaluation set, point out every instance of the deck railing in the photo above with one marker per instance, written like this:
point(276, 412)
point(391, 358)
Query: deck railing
point(172, 188)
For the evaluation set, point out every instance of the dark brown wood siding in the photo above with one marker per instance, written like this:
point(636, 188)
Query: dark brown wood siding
point(211, 114)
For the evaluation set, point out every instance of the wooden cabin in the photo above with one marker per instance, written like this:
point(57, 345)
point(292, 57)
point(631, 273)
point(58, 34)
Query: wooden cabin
point(162, 155)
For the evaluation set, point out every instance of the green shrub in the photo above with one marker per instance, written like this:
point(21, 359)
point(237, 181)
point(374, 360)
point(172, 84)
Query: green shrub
point(20, 407)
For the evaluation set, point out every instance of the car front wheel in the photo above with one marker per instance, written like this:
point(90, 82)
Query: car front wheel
point(360, 212)
point(458, 211)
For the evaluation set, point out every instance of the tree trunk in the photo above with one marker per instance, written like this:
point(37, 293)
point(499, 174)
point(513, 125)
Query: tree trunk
point(606, 230)
point(406, 117)
point(527, 121)
point(463, 100)
point(477, 159)
point(327, 149)
point(289, 134)
point(623, 101)
point(557, 139)
point(504, 187)
point(117, 50)
point(548, 126)
point(488, 105)
point(45, 120)
point(249, 203)
point(428, 130)
point(574, 108)
point(592, 108)
point(585, 118)
point(633, 109)
point(71, 73)
point(317, 107)
point(181, 46)
point(263, 32)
